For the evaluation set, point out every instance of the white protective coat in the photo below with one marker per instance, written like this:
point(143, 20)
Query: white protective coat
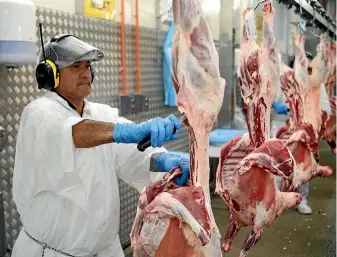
point(68, 198)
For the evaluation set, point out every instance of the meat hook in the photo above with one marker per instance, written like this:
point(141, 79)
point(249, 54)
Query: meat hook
point(313, 25)
point(301, 24)
point(260, 2)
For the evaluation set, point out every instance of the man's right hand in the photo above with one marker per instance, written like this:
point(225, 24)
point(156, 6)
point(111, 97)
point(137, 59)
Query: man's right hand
point(160, 129)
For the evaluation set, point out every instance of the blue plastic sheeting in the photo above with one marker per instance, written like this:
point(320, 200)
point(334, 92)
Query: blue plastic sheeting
point(170, 93)
point(221, 136)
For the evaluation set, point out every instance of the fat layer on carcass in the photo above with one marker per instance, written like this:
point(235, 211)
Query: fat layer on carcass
point(330, 85)
point(250, 191)
point(299, 136)
point(330, 78)
point(294, 93)
point(176, 221)
point(294, 84)
point(258, 75)
point(317, 71)
point(330, 133)
point(248, 186)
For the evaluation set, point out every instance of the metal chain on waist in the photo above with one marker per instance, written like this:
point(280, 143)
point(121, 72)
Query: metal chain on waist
point(44, 246)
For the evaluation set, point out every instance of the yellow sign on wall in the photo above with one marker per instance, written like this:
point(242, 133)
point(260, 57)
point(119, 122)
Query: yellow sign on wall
point(105, 9)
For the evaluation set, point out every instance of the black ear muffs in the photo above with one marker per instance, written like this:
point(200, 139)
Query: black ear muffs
point(47, 75)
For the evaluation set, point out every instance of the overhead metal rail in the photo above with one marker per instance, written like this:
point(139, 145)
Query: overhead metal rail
point(314, 14)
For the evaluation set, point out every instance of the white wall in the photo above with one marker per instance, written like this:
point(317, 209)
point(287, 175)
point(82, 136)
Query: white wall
point(61, 5)
point(212, 13)
point(147, 17)
point(213, 23)
point(282, 27)
point(146, 10)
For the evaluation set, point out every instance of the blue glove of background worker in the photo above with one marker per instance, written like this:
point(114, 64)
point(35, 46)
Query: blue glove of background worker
point(280, 108)
point(160, 129)
point(166, 162)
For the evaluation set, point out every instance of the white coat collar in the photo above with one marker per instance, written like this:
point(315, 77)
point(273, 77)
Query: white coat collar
point(67, 104)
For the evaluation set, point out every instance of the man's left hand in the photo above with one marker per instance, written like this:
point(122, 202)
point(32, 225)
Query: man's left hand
point(165, 162)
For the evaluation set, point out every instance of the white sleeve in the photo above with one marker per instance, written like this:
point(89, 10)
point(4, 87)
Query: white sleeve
point(45, 153)
point(133, 166)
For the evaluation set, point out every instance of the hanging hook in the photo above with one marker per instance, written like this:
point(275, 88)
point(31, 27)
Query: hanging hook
point(328, 31)
point(313, 25)
point(331, 34)
point(313, 18)
point(301, 24)
point(300, 8)
point(259, 2)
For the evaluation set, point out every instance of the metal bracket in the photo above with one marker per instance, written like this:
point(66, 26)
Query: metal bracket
point(302, 26)
point(320, 18)
point(125, 104)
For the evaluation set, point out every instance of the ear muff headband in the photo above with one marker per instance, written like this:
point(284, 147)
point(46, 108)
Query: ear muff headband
point(60, 37)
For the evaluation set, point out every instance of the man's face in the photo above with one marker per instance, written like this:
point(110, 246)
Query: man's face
point(75, 80)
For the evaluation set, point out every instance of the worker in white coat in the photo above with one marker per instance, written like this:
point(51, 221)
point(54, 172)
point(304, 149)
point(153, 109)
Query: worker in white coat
point(69, 154)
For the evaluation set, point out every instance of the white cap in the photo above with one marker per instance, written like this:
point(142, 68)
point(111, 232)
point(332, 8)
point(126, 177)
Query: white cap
point(65, 49)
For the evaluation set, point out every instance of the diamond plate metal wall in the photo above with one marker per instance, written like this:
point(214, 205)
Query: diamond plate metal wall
point(18, 88)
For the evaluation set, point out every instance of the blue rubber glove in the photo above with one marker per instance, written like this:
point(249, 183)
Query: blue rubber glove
point(166, 162)
point(280, 108)
point(160, 129)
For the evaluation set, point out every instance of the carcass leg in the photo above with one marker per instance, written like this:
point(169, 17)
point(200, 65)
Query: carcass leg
point(232, 230)
point(251, 241)
point(286, 185)
point(322, 171)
